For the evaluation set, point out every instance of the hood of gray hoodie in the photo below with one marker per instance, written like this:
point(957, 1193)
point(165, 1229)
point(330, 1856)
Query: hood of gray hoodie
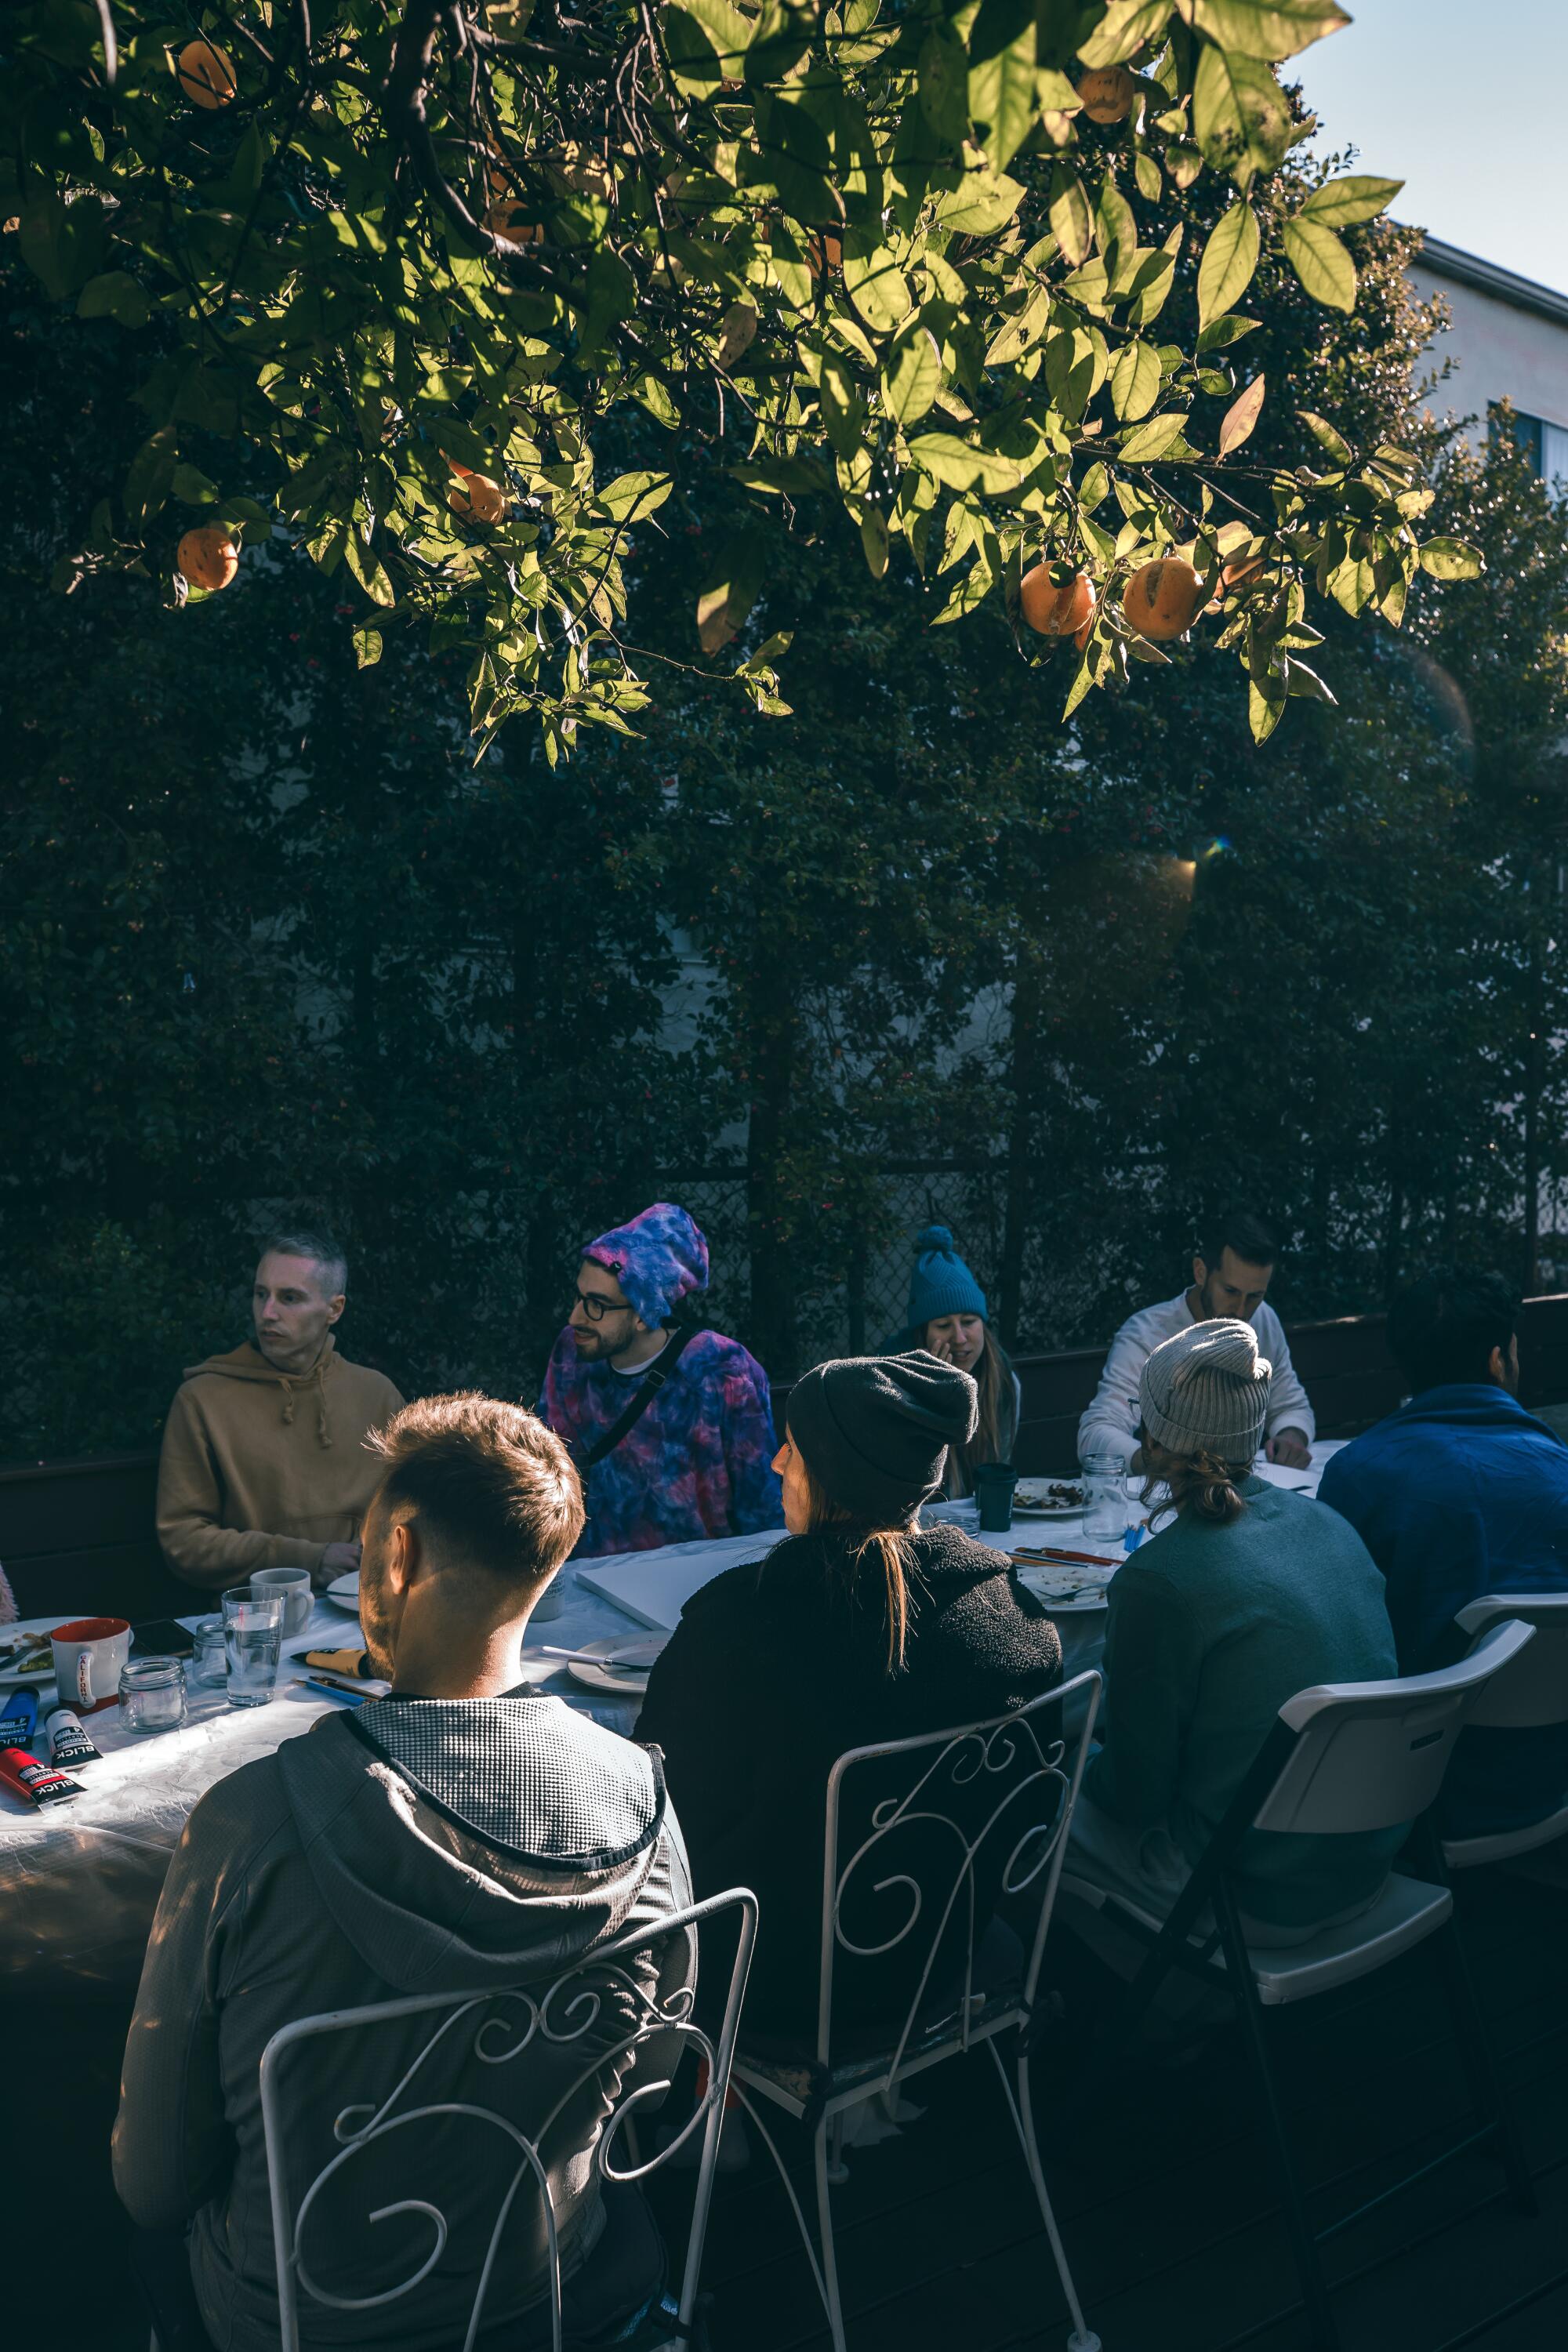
point(462, 1843)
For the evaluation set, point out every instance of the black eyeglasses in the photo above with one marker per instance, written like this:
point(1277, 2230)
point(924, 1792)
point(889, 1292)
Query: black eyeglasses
point(596, 1308)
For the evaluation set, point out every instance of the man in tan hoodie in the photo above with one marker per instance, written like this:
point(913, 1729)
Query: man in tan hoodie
point(264, 1461)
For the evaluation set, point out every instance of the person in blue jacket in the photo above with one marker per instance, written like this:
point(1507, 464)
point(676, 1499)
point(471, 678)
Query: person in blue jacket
point(1461, 1493)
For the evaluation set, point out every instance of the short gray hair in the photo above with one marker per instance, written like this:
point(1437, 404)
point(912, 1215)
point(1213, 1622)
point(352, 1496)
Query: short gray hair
point(311, 1243)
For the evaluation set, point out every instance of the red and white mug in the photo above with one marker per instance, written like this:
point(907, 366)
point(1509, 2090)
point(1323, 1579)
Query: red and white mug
point(89, 1656)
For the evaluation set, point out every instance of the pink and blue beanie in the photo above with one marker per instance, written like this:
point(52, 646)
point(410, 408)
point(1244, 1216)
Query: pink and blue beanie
point(658, 1259)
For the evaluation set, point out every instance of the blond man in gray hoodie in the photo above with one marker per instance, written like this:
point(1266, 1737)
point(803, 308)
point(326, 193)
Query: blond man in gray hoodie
point(453, 1836)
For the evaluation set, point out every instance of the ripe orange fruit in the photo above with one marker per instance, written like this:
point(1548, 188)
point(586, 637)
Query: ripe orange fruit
point(1107, 94)
point(205, 74)
point(1161, 599)
point(508, 219)
point(824, 252)
point(1053, 612)
point(475, 497)
point(208, 556)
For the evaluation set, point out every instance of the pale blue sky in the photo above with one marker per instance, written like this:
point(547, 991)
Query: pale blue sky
point(1463, 100)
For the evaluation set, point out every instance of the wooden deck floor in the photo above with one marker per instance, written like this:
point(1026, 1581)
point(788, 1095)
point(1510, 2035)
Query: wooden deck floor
point(1163, 2188)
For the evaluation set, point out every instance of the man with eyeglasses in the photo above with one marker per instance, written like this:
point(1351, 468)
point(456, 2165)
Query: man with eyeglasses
point(670, 1426)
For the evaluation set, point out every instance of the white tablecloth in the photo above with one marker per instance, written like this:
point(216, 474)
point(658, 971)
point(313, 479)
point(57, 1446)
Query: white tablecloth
point(80, 1882)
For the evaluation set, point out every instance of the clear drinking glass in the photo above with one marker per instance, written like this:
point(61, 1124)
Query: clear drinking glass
point(1105, 1516)
point(209, 1659)
point(252, 1636)
point(152, 1694)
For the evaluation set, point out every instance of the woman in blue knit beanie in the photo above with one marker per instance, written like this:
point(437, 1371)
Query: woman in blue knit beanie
point(947, 1314)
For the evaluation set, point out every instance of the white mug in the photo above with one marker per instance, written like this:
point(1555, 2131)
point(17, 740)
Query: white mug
point(292, 1587)
point(88, 1654)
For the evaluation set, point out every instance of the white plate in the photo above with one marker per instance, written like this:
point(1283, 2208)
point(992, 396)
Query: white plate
point(1032, 1499)
point(13, 1677)
point(343, 1593)
point(1056, 1608)
point(631, 1679)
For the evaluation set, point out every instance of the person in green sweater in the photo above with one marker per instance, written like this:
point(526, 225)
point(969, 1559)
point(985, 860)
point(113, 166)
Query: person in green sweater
point(1250, 1594)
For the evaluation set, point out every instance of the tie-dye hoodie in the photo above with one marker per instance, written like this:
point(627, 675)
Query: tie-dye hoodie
point(697, 1462)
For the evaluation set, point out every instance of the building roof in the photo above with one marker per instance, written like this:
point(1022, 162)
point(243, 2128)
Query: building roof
point(1503, 285)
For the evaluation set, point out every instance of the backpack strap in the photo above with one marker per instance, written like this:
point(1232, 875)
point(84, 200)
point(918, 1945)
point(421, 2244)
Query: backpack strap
point(647, 1389)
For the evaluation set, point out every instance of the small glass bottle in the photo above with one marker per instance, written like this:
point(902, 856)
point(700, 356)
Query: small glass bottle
point(152, 1694)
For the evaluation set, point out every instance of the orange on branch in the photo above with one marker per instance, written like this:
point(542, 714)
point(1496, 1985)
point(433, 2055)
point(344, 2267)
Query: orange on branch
point(824, 252)
point(208, 556)
point(475, 497)
point(509, 219)
point(1053, 612)
point(1109, 94)
point(205, 75)
point(1163, 599)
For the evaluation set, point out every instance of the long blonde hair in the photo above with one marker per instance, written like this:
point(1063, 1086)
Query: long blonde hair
point(890, 1545)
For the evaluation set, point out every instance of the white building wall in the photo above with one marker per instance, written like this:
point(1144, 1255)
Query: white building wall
point(1499, 345)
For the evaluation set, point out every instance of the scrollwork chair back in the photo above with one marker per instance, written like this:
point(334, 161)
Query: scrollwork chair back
point(925, 1838)
point(482, 2111)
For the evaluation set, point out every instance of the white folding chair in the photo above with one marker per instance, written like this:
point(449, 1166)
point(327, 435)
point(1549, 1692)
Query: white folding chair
point(1527, 1696)
point(994, 1799)
point(1341, 1758)
point(609, 2002)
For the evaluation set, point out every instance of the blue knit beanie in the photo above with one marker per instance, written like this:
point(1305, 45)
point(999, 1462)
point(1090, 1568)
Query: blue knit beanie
point(940, 1284)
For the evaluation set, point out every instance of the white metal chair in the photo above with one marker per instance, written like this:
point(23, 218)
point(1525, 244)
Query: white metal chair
point(995, 1800)
point(1342, 1758)
point(1527, 1696)
point(608, 2001)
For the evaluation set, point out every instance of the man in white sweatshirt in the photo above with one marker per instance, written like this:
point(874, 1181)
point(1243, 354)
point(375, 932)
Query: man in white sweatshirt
point(1230, 1278)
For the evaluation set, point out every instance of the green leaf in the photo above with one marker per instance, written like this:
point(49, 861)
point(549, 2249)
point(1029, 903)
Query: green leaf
point(367, 645)
point(1125, 28)
point(192, 485)
point(115, 295)
point(1229, 263)
point(1156, 439)
point(1241, 416)
point(706, 42)
point(367, 570)
point(1223, 331)
point(633, 497)
point(1072, 224)
point(874, 541)
point(1301, 680)
point(912, 376)
point(1451, 559)
point(943, 84)
point(1240, 117)
point(1322, 263)
point(1093, 488)
point(984, 202)
point(876, 285)
point(963, 467)
point(1135, 379)
point(1265, 28)
point(1001, 93)
point(1323, 432)
point(1264, 711)
point(1339, 203)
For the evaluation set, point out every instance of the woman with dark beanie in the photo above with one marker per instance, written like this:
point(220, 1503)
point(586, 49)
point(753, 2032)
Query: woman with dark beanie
point(863, 1626)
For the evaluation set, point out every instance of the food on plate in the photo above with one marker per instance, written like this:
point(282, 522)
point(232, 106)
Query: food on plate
point(1048, 1495)
point(26, 1654)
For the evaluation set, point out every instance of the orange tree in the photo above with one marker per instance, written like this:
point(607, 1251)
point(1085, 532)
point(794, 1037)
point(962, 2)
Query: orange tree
point(417, 258)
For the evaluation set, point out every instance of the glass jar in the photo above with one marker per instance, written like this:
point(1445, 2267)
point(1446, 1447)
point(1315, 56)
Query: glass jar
point(152, 1694)
point(1105, 1513)
point(209, 1659)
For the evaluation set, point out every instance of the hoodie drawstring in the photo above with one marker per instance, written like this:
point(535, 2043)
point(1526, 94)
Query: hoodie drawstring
point(320, 1378)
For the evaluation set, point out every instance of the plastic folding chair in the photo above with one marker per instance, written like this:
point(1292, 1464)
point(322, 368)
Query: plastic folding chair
point(1342, 1758)
point(994, 1799)
point(1531, 1693)
point(610, 2002)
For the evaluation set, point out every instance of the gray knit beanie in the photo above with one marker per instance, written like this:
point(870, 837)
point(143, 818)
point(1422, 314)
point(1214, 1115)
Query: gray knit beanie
point(1206, 1392)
